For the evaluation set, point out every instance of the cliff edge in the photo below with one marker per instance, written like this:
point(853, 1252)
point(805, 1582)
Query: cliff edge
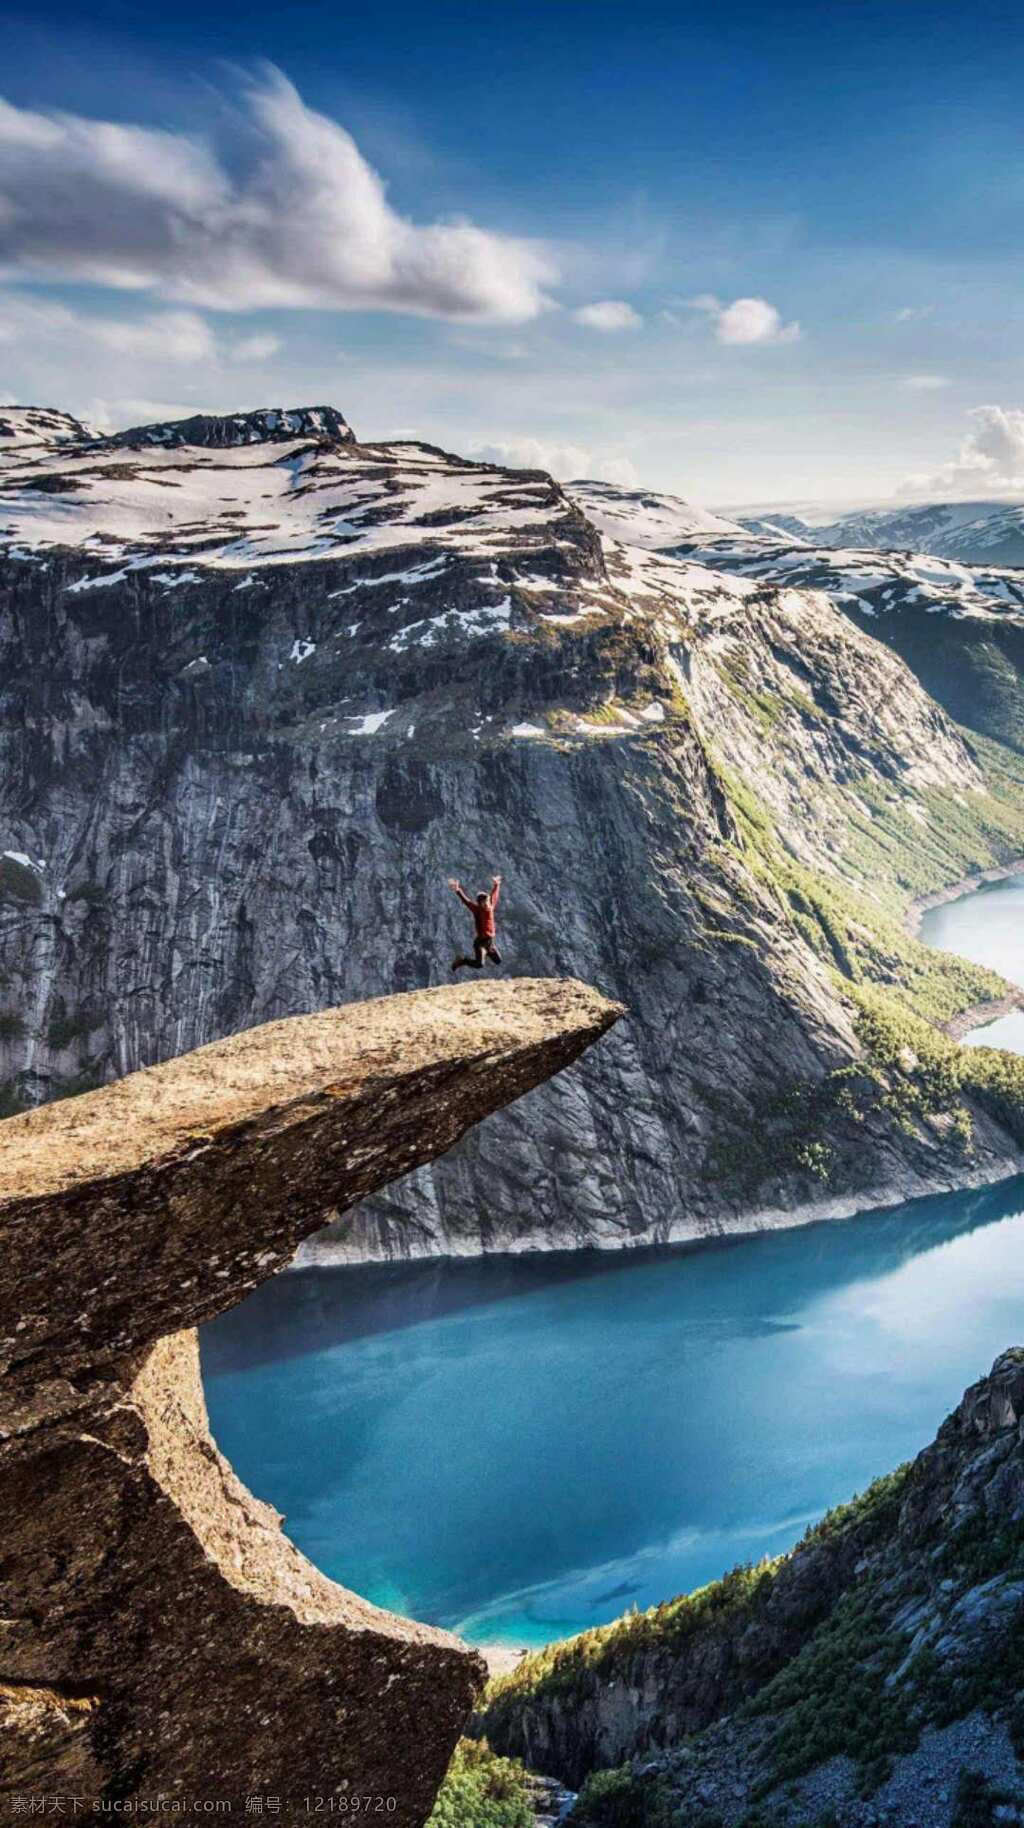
point(159, 1636)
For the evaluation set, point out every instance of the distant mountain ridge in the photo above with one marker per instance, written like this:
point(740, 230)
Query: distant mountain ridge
point(958, 625)
point(974, 532)
point(643, 518)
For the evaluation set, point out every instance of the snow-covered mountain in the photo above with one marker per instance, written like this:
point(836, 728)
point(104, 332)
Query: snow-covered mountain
point(959, 626)
point(263, 687)
point(778, 526)
point(872, 582)
point(975, 532)
point(642, 518)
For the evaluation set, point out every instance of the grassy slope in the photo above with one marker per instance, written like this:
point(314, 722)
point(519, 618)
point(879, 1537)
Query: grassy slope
point(899, 990)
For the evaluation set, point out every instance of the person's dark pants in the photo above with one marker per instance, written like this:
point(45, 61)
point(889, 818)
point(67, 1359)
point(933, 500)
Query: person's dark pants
point(482, 949)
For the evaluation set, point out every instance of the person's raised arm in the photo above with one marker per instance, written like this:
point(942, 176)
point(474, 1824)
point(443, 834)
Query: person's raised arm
point(495, 891)
point(457, 889)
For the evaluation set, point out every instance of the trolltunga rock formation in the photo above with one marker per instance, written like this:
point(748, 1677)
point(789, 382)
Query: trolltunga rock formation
point(158, 1633)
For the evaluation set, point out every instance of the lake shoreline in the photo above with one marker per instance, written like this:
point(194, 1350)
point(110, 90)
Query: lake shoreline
point(980, 1015)
point(955, 891)
point(976, 1015)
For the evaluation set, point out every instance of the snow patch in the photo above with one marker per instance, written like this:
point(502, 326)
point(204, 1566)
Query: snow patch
point(370, 723)
point(171, 579)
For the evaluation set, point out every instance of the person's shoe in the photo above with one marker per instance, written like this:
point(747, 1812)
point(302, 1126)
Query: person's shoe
point(456, 962)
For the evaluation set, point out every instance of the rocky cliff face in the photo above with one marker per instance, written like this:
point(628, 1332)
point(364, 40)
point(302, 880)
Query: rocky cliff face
point(263, 688)
point(879, 1659)
point(951, 606)
point(159, 1636)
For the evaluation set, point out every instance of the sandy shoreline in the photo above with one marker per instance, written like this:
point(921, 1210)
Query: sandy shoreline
point(500, 1659)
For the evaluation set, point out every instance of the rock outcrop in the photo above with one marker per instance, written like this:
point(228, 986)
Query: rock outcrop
point(158, 1634)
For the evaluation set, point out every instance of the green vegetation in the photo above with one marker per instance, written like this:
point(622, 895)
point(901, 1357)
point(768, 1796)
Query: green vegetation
point(831, 1698)
point(723, 1607)
point(901, 990)
point(909, 1068)
point(766, 709)
point(67, 1026)
point(93, 893)
point(926, 1074)
point(872, 1513)
point(976, 1801)
point(12, 1026)
point(862, 938)
point(12, 1099)
point(18, 882)
point(482, 1790)
point(571, 1667)
point(621, 1799)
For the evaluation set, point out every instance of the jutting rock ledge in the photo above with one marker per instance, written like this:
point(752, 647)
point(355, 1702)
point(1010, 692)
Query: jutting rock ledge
point(159, 1636)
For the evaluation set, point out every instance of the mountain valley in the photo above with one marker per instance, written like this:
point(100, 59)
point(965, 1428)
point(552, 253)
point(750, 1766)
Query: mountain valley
point(266, 686)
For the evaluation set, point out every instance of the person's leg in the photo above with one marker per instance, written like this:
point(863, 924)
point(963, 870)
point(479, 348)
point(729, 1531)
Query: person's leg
point(479, 953)
point(493, 954)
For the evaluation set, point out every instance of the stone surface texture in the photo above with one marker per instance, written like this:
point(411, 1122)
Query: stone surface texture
point(159, 1635)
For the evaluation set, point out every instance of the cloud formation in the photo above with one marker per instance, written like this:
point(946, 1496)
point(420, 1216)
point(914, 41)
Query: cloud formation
point(924, 383)
point(609, 315)
point(746, 320)
point(990, 461)
point(287, 213)
point(562, 460)
point(29, 324)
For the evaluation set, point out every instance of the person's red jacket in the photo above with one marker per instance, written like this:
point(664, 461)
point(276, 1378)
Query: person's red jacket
point(482, 911)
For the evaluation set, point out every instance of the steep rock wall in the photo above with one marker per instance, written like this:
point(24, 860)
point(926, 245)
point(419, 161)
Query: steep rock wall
point(158, 1634)
point(261, 694)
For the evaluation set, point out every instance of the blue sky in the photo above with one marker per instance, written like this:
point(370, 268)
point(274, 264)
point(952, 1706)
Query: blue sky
point(745, 253)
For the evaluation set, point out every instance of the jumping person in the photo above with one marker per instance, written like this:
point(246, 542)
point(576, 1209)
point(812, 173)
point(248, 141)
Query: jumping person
point(482, 910)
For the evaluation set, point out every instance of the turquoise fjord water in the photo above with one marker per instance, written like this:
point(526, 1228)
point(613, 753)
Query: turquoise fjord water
point(520, 1448)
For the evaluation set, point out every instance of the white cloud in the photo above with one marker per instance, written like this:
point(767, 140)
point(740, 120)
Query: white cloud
point(166, 336)
point(161, 336)
point(254, 349)
point(107, 367)
point(990, 460)
point(290, 215)
point(561, 460)
point(609, 314)
point(924, 383)
point(911, 313)
point(107, 415)
point(746, 320)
